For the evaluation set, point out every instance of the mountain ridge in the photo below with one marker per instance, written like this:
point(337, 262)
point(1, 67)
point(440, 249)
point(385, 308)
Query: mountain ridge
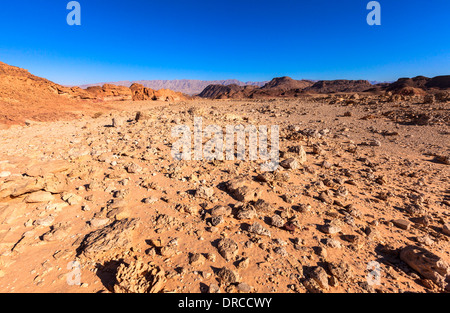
point(186, 86)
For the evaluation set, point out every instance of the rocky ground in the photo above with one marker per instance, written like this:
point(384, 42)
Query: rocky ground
point(363, 189)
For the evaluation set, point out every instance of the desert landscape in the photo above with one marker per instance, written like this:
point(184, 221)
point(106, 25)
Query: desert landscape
point(92, 200)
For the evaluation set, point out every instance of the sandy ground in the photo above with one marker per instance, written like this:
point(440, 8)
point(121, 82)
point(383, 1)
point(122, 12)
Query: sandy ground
point(111, 197)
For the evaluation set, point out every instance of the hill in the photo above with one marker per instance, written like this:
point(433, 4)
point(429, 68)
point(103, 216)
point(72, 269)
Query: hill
point(186, 86)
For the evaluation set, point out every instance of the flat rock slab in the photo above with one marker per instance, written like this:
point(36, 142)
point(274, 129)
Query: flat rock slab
point(39, 196)
point(48, 168)
point(427, 264)
point(117, 235)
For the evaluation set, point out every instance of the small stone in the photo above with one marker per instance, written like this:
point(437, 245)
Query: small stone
point(217, 220)
point(325, 197)
point(133, 168)
point(5, 174)
point(446, 229)
point(331, 229)
point(290, 163)
point(281, 251)
point(168, 251)
point(320, 277)
point(322, 252)
point(150, 200)
point(228, 248)
point(256, 228)
point(277, 221)
point(333, 243)
point(227, 276)
point(196, 259)
point(444, 159)
point(221, 210)
point(98, 222)
point(204, 193)
point(403, 224)
point(244, 288)
point(213, 288)
point(243, 263)
point(71, 198)
point(211, 257)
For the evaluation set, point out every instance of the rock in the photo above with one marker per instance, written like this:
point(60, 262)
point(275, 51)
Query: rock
point(168, 251)
point(133, 168)
point(217, 220)
point(262, 206)
point(311, 285)
point(204, 192)
point(18, 187)
point(325, 197)
point(322, 252)
point(403, 224)
point(196, 259)
point(243, 288)
point(72, 199)
point(239, 190)
point(425, 220)
point(277, 221)
point(139, 277)
point(117, 204)
point(118, 121)
point(213, 288)
point(290, 163)
point(58, 233)
point(320, 276)
point(427, 264)
point(50, 167)
point(256, 228)
point(118, 213)
point(39, 196)
point(46, 221)
point(142, 116)
point(341, 270)
point(211, 257)
point(247, 211)
point(330, 229)
point(281, 251)
point(246, 194)
point(243, 263)
point(444, 159)
point(99, 222)
point(301, 154)
point(318, 150)
point(333, 243)
point(446, 229)
point(228, 249)
point(117, 235)
point(221, 210)
point(5, 174)
point(227, 276)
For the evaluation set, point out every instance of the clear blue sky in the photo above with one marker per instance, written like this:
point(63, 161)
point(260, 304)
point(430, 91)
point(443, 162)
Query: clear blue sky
point(242, 39)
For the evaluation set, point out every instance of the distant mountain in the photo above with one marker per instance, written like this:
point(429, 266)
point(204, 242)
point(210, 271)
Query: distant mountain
point(284, 87)
point(186, 86)
point(339, 85)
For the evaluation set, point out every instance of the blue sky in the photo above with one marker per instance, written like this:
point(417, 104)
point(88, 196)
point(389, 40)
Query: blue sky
point(244, 39)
